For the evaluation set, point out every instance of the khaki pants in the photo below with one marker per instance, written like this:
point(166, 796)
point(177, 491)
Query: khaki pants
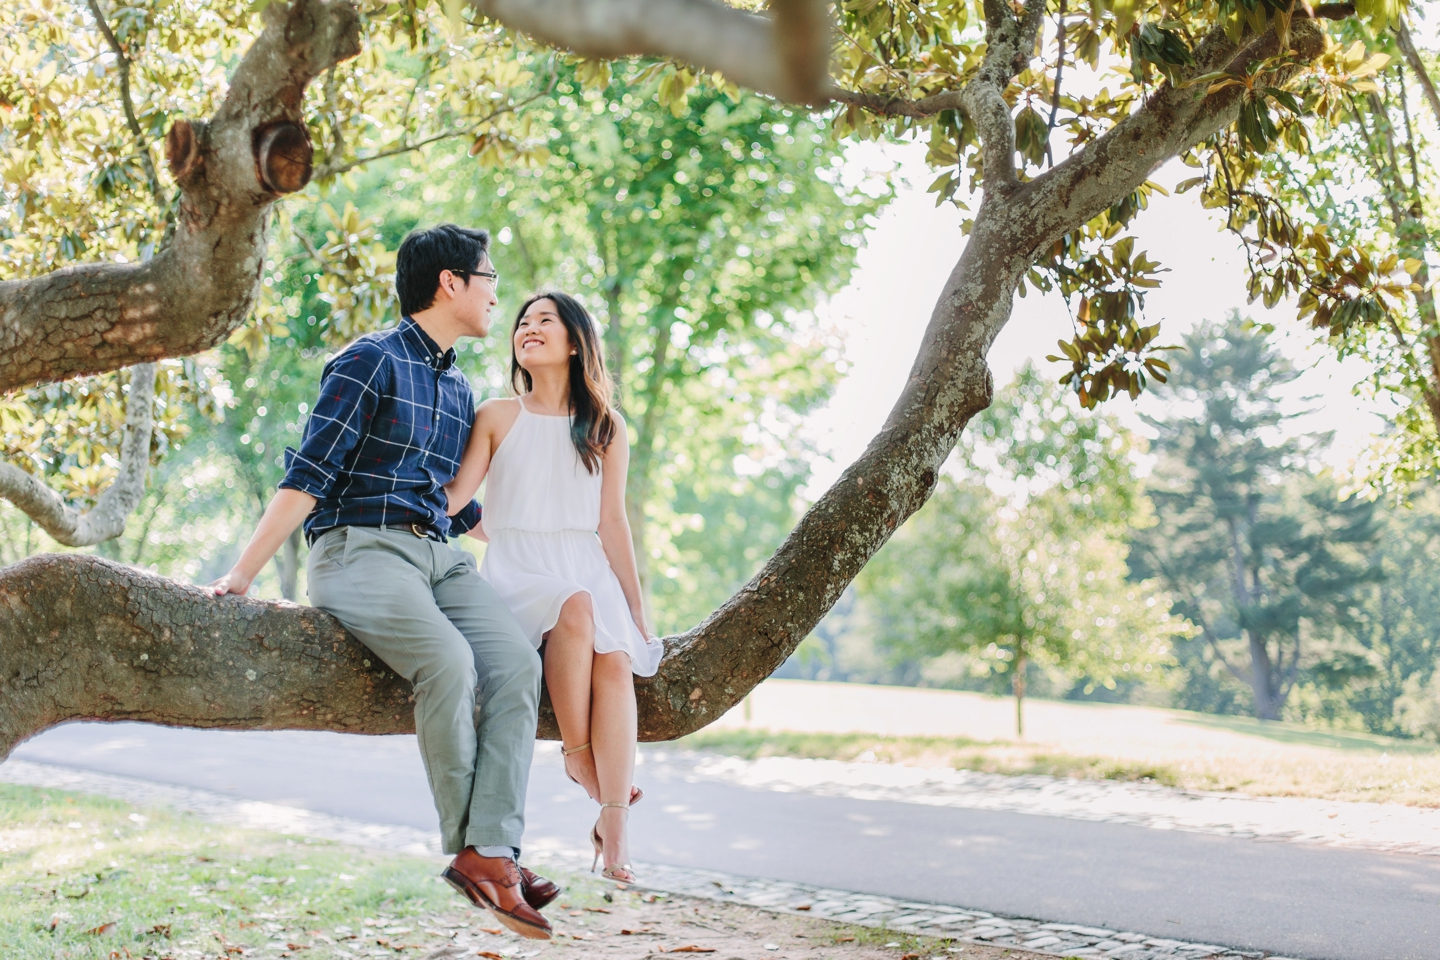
point(422, 608)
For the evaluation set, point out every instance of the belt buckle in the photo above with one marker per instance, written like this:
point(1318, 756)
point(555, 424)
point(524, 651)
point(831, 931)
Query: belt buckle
point(420, 531)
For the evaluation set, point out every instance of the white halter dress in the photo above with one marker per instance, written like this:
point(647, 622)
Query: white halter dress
point(541, 512)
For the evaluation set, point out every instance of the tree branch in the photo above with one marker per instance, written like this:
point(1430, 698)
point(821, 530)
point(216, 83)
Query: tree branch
point(94, 318)
point(897, 106)
point(141, 147)
point(785, 55)
point(1412, 57)
point(1010, 45)
point(106, 519)
point(333, 169)
point(1219, 655)
point(1174, 119)
point(1059, 75)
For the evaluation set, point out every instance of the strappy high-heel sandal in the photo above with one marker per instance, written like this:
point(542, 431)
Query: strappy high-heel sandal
point(636, 794)
point(620, 872)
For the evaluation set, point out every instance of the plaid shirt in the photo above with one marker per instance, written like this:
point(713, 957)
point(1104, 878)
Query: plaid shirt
point(385, 436)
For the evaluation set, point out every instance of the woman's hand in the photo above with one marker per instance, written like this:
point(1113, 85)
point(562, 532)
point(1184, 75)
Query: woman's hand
point(638, 615)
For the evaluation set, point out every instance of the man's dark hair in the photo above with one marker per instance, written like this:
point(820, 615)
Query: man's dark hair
point(424, 253)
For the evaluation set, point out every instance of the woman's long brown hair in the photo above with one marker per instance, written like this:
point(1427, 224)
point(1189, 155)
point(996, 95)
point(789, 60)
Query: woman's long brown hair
point(592, 424)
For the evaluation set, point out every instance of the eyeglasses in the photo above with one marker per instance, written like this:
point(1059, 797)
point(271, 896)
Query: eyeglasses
point(494, 278)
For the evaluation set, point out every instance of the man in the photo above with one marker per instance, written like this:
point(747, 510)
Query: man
point(385, 436)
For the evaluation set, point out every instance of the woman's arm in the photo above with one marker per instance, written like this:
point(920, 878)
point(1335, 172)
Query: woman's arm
point(614, 528)
point(475, 463)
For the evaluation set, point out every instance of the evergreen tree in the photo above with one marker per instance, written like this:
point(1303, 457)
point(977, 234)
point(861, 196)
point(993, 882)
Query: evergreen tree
point(1262, 559)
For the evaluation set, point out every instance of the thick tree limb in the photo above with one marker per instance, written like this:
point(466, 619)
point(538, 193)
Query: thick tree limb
point(785, 55)
point(106, 519)
point(200, 287)
point(81, 637)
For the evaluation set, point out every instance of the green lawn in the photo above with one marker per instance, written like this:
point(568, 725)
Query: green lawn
point(85, 877)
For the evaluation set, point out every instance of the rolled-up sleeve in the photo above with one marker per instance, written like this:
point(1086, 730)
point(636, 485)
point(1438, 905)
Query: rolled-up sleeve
point(350, 390)
point(466, 520)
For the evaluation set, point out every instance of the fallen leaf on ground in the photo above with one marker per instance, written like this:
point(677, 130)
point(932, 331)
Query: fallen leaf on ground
point(911, 956)
point(103, 928)
point(844, 939)
point(596, 910)
point(491, 956)
point(688, 948)
point(803, 906)
point(297, 946)
point(493, 931)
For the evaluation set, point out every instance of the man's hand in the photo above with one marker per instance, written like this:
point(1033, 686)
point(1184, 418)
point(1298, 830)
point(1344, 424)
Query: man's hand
point(233, 582)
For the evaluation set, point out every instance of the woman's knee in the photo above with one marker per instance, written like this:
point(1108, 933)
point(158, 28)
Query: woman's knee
point(612, 669)
point(577, 618)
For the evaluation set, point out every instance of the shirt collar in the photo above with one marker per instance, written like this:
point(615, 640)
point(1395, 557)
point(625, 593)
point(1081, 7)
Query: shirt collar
point(428, 348)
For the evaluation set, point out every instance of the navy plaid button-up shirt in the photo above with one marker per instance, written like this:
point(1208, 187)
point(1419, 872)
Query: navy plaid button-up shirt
point(385, 436)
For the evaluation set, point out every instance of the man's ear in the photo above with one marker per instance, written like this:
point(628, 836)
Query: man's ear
point(446, 284)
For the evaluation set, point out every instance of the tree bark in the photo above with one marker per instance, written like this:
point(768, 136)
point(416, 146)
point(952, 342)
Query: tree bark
point(104, 316)
point(81, 638)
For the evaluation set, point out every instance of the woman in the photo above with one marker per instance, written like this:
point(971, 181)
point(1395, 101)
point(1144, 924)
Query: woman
point(560, 552)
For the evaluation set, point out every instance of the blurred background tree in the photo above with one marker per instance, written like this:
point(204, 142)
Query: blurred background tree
point(1016, 565)
point(1264, 558)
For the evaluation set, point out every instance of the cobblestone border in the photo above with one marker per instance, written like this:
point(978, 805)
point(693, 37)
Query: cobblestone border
point(868, 910)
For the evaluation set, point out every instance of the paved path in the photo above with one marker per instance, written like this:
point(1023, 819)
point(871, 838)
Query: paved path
point(1296, 899)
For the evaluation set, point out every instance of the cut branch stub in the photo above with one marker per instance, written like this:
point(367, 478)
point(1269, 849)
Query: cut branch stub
point(283, 155)
point(182, 149)
point(93, 317)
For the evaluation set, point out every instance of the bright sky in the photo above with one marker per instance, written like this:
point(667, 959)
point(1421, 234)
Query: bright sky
point(911, 251)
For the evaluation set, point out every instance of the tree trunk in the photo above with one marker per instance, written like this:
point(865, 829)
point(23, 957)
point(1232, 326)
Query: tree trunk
point(287, 564)
point(1262, 680)
point(1017, 685)
point(642, 457)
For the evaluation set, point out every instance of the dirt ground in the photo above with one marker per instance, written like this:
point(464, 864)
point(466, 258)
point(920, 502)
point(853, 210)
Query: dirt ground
point(632, 925)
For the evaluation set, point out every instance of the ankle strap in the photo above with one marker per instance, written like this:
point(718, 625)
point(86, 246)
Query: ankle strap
point(622, 806)
point(583, 746)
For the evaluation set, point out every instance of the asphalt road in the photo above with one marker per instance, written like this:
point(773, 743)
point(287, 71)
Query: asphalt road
point(1318, 903)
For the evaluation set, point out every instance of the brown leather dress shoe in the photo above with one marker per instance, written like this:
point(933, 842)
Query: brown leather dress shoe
point(495, 884)
point(538, 891)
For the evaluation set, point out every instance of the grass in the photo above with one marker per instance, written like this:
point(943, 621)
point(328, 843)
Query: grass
point(83, 877)
point(1326, 765)
point(1291, 733)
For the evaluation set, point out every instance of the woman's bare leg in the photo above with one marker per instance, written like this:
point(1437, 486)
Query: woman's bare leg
point(569, 654)
point(612, 738)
